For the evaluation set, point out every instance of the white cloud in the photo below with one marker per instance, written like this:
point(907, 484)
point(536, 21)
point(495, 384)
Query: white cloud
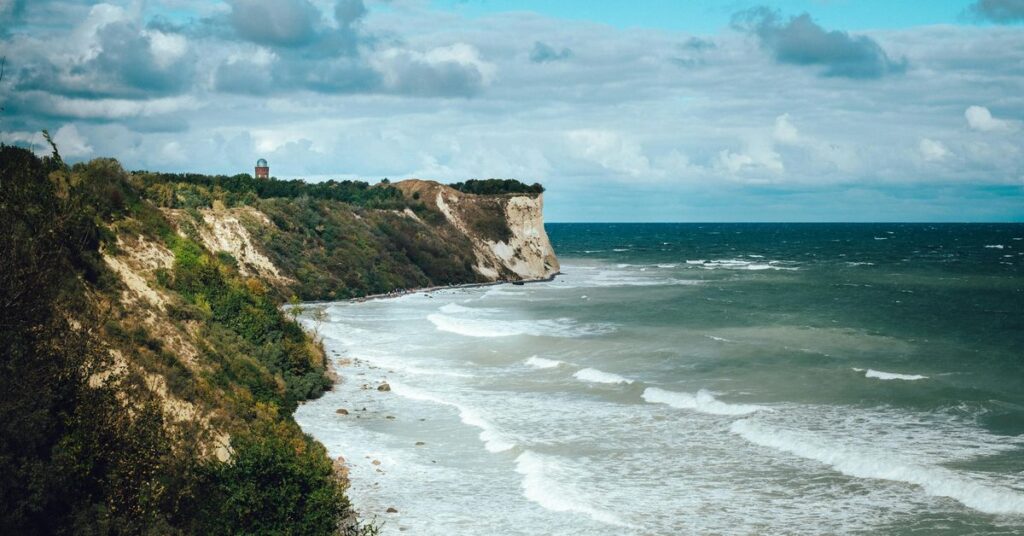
point(785, 132)
point(166, 48)
point(610, 150)
point(117, 108)
point(980, 118)
point(71, 143)
point(754, 159)
point(933, 151)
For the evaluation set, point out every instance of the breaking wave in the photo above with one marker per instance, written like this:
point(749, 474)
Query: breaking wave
point(703, 402)
point(541, 485)
point(494, 440)
point(599, 376)
point(936, 481)
point(477, 327)
point(541, 363)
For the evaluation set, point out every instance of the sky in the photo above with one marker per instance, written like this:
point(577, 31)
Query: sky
point(651, 110)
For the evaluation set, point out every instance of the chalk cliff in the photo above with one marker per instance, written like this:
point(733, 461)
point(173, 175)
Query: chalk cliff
point(507, 231)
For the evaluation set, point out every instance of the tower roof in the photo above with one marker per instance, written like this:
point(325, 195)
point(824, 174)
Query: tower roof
point(261, 163)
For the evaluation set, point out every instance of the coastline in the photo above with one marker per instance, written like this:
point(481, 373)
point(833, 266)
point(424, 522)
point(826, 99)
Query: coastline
point(340, 463)
point(427, 290)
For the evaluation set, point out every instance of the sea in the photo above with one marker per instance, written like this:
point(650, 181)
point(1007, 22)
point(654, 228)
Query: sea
point(695, 379)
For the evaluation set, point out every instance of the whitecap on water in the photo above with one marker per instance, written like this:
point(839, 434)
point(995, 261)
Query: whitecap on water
point(542, 484)
point(541, 363)
point(863, 463)
point(599, 376)
point(879, 375)
point(478, 327)
point(494, 441)
point(703, 402)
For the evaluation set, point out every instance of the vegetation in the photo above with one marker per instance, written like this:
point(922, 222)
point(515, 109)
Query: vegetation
point(497, 186)
point(88, 444)
point(171, 412)
point(338, 254)
point(190, 190)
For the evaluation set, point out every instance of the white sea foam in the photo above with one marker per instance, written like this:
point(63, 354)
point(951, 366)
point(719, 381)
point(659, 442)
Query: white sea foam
point(667, 265)
point(494, 440)
point(478, 327)
point(541, 363)
point(599, 376)
point(881, 238)
point(620, 250)
point(703, 402)
point(879, 375)
point(739, 264)
point(456, 309)
point(719, 339)
point(541, 486)
point(994, 246)
point(936, 481)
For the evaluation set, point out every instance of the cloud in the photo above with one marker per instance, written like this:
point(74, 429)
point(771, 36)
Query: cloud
point(543, 53)
point(283, 23)
point(999, 11)
point(610, 150)
point(108, 54)
point(71, 142)
point(933, 151)
point(979, 118)
point(785, 132)
point(10, 10)
point(755, 160)
point(455, 70)
point(801, 41)
point(349, 12)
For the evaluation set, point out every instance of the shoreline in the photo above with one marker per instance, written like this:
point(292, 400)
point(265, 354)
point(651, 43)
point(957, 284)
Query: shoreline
point(427, 290)
point(340, 463)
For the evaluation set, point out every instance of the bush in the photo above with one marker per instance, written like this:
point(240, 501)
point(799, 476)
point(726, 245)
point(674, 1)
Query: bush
point(497, 186)
point(277, 482)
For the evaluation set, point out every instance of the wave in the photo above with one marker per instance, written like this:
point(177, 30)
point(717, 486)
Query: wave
point(703, 402)
point(476, 327)
point(879, 375)
point(936, 481)
point(494, 440)
point(599, 376)
point(719, 339)
point(667, 265)
point(541, 363)
point(739, 264)
point(994, 246)
point(454, 308)
point(551, 493)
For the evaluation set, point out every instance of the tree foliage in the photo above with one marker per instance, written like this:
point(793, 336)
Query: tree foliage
point(497, 186)
point(85, 447)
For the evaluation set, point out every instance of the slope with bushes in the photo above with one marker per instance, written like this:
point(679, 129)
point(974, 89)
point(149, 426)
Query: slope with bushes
point(148, 373)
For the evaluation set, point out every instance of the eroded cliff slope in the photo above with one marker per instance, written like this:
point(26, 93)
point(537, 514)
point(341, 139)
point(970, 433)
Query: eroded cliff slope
point(506, 230)
point(150, 371)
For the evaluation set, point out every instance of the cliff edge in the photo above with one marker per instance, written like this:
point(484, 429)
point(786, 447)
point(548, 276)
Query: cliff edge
point(507, 230)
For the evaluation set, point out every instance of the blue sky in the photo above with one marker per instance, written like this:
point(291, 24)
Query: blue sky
point(736, 110)
point(709, 16)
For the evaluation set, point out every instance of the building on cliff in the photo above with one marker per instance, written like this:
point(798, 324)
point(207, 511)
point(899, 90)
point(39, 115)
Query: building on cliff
point(262, 169)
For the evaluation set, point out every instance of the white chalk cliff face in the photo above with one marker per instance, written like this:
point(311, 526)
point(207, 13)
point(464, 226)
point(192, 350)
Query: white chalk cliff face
point(526, 254)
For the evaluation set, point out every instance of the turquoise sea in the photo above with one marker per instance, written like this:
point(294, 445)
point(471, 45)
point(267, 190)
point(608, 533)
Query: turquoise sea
point(697, 379)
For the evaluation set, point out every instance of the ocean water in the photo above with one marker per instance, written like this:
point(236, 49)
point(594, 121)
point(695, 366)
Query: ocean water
point(697, 379)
